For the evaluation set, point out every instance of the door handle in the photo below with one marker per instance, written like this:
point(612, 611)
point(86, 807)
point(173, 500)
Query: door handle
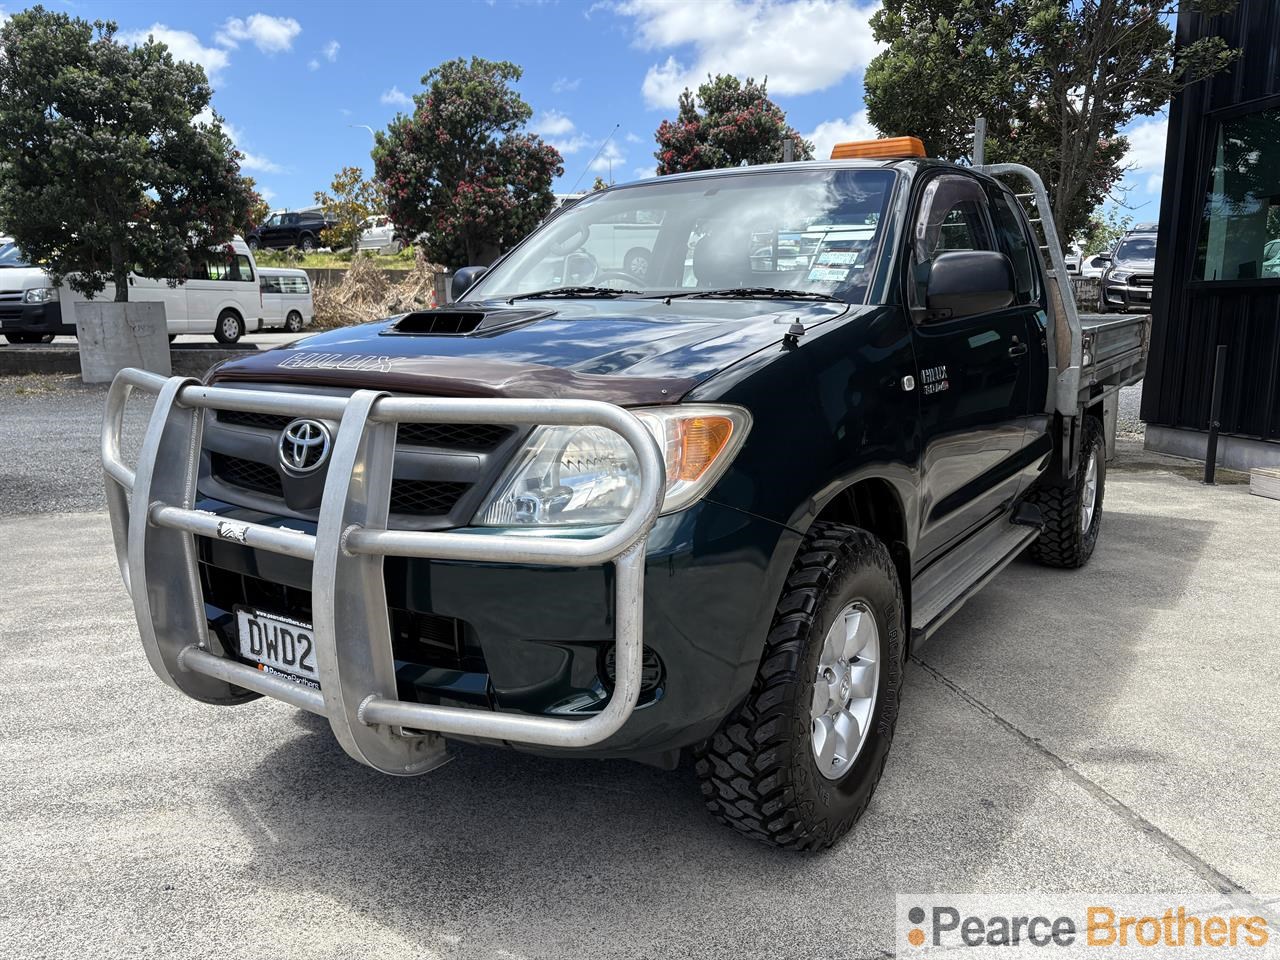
point(1018, 349)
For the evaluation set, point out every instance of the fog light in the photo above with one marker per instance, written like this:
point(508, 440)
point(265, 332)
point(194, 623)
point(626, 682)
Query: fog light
point(650, 672)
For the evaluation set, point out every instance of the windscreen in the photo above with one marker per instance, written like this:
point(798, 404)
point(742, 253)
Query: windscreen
point(11, 256)
point(818, 231)
point(1137, 248)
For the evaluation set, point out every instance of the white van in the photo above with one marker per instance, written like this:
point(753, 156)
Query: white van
point(286, 299)
point(221, 297)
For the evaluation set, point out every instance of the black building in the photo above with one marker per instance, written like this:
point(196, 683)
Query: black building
point(1218, 274)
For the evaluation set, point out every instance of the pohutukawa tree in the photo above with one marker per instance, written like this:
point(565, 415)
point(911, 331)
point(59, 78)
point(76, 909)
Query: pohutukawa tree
point(1057, 80)
point(726, 123)
point(460, 168)
point(104, 166)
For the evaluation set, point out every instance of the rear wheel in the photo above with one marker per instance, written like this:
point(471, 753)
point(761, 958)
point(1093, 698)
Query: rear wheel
point(795, 765)
point(293, 322)
point(252, 243)
point(1072, 511)
point(307, 244)
point(229, 327)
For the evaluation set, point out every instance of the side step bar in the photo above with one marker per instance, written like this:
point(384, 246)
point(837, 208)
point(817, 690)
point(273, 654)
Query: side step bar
point(941, 589)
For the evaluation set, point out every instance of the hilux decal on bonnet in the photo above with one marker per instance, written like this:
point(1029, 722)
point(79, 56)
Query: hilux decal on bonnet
point(337, 361)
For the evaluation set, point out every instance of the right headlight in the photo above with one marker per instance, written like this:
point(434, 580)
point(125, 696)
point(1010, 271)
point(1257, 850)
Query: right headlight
point(586, 476)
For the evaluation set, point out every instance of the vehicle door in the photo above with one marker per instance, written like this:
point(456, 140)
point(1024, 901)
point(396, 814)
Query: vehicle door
point(1030, 299)
point(269, 232)
point(272, 300)
point(974, 373)
point(155, 290)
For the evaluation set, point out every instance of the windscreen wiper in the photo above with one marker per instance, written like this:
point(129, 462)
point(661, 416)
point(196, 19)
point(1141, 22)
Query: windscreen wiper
point(604, 292)
point(757, 293)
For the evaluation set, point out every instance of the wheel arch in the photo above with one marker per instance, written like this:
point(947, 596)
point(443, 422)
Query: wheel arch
point(875, 504)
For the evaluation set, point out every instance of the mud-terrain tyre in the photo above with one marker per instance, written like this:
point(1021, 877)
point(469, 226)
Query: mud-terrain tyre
point(1072, 512)
point(760, 773)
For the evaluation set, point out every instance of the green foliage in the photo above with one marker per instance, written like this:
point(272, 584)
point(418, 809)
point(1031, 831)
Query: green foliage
point(101, 165)
point(727, 123)
point(460, 169)
point(353, 200)
point(1056, 81)
point(599, 185)
point(258, 209)
point(1104, 231)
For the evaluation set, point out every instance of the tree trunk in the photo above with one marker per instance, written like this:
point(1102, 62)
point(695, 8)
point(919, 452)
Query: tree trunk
point(119, 271)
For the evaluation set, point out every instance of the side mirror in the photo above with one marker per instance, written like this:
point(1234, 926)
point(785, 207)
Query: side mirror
point(966, 282)
point(463, 279)
point(1104, 258)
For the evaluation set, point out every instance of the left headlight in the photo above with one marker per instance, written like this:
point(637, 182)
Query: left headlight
point(585, 476)
point(40, 295)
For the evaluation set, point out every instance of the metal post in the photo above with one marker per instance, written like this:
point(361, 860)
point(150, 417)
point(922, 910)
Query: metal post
point(1215, 414)
point(979, 141)
point(788, 150)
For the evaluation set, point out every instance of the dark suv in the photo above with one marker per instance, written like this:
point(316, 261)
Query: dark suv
point(301, 229)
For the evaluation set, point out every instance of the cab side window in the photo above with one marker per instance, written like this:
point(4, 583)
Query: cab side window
point(1017, 245)
point(952, 215)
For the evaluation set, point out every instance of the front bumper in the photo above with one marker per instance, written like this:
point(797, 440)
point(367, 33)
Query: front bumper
point(33, 318)
point(1127, 296)
point(540, 615)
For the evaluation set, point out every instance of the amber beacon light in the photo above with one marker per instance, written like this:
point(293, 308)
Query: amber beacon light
point(887, 148)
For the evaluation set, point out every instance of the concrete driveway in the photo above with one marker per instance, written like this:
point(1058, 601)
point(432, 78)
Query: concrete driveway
point(1112, 729)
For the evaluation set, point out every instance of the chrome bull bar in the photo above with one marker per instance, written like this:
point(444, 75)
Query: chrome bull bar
point(154, 525)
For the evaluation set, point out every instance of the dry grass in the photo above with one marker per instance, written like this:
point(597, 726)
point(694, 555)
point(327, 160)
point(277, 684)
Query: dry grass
point(365, 293)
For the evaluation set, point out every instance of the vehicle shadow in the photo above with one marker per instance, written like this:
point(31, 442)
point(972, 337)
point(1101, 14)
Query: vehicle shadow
point(500, 853)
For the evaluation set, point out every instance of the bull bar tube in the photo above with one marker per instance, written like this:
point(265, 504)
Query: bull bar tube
point(154, 525)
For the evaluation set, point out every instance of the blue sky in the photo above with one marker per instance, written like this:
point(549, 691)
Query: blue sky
point(295, 81)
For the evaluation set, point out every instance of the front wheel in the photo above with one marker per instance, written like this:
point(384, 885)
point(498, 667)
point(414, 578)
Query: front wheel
point(229, 328)
point(252, 243)
point(293, 322)
point(796, 764)
point(1072, 511)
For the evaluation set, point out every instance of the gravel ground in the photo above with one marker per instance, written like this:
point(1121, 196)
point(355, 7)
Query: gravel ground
point(1127, 420)
point(49, 459)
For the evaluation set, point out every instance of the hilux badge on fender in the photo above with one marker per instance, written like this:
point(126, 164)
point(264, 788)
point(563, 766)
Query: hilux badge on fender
point(304, 447)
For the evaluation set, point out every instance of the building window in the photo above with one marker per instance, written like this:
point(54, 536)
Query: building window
point(1238, 238)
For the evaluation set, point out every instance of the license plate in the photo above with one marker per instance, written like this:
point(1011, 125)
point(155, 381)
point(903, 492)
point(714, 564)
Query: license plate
point(278, 645)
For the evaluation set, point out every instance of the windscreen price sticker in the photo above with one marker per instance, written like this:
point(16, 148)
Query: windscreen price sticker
point(1083, 925)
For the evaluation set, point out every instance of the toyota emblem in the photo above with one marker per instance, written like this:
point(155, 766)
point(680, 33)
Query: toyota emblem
point(304, 447)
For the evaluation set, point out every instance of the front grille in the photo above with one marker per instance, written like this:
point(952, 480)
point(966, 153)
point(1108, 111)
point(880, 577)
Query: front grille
point(1141, 281)
point(450, 436)
point(263, 421)
point(458, 436)
point(248, 474)
point(422, 498)
point(427, 498)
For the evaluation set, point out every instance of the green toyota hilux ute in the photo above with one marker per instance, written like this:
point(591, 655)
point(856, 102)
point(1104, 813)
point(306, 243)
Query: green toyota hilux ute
point(697, 502)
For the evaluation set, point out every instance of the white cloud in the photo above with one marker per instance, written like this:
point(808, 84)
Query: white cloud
point(269, 34)
point(250, 162)
point(267, 194)
point(565, 85)
point(801, 47)
point(610, 159)
point(634, 138)
point(313, 64)
point(330, 50)
point(1146, 151)
point(643, 173)
point(830, 132)
point(559, 131)
point(551, 123)
point(396, 97)
point(183, 45)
